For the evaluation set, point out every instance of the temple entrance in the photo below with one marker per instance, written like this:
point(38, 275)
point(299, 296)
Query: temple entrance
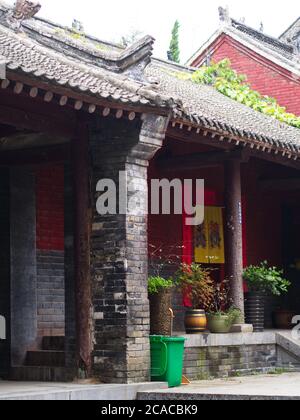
point(35, 263)
point(291, 256)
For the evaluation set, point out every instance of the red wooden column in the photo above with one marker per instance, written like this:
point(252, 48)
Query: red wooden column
point(82, 249)
point(234, 232)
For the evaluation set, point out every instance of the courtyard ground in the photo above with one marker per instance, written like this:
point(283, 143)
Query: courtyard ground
point(271, 387)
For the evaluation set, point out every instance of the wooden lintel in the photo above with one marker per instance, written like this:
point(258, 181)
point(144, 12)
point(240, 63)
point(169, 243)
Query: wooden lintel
point(202, 160)
point(29, 120)
point(276, 158)
point(35, 156)
point(288, 184)
point(194, 137)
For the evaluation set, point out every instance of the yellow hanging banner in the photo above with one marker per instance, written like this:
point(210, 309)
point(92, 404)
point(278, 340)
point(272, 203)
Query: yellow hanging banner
point(209, 238)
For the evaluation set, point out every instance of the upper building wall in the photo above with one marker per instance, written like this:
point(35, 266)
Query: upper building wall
point(263, 74)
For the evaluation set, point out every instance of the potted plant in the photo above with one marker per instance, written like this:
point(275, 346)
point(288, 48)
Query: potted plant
point(196, 286)
point(160, 297)
point(163, 262)
point(262, 279)
point(222, 315)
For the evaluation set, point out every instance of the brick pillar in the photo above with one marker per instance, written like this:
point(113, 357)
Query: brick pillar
point(119, 258)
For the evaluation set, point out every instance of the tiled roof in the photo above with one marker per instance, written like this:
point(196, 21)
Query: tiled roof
point(292, 33)
point(130, 76)
point(27, 55)
point(205, 106)
point(272, 43)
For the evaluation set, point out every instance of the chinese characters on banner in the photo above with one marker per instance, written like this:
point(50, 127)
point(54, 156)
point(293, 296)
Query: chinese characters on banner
point(209, 238)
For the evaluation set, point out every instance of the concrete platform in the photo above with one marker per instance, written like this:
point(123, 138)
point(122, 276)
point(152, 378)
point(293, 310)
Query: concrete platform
point(264, 387)
point(36, 391)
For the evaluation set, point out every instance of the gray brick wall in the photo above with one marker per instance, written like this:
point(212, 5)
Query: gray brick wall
point(119, 260)
point(50, 293)
point(216, 362)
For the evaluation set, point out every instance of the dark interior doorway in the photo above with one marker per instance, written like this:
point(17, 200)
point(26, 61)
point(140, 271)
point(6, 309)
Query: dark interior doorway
point(4, 270)
point(291, 256)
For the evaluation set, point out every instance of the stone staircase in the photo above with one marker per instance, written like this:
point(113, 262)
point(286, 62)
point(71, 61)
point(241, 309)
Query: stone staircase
point(288, 351)
point(47, 364)
point(51, 355)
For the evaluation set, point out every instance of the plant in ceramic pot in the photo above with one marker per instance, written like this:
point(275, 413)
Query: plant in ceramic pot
point(222, 315)
point(262, 279)
point(163, 262)
point(160, 297)
point(197, 287)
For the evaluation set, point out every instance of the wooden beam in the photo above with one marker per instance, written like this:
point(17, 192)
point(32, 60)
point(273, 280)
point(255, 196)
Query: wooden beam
point(35, 156)
point(23, 140)
point(275, 158)
point(37, 122)
point(288, 184)
point(194, 137)
point(201, 160)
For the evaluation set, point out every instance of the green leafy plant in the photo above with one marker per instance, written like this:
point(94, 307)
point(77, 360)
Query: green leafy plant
point(221, 304)
point(263, 278)
point(196, 283)
point(157, 284)
point(228, 82)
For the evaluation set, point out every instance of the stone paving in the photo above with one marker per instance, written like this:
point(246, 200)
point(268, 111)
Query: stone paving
point(265, 387)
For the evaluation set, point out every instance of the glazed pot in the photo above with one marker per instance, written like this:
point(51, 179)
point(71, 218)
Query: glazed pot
point(283, 319)
point(195, 321)
point(160, 304)
point(255, 310)
point(219, 324)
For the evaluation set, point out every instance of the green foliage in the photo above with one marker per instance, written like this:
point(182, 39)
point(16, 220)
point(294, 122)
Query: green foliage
point(157, 284)
point(195, 282)
point(263, 278)
point(228, 82)
point(174, 51)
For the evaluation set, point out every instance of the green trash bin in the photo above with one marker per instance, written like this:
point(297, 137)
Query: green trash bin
point(167, 359)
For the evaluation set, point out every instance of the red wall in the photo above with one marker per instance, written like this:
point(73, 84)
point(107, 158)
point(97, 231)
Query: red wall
point(263, 75)
point(50, 207)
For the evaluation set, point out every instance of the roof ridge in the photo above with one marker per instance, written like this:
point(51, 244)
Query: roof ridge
point(237, 25)
point(132, 59)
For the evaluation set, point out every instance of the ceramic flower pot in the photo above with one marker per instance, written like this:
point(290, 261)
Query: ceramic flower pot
point(219, 324)
point(283, 319)
point(255, 310)
point(195, 321)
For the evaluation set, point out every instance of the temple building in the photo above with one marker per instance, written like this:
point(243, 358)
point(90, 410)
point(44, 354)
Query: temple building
point(75, 110)
point(272, 65)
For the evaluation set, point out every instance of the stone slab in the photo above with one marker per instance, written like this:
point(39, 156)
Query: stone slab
point(264, 387)
point(232, 339)
point(35, 391)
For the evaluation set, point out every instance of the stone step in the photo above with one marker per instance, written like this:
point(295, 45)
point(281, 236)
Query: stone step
point(53, 343)
point(41, 374)
point(45, 358)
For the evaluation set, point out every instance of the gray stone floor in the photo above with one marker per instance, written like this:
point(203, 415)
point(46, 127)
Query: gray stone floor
point(274, 387)
point(64, 392)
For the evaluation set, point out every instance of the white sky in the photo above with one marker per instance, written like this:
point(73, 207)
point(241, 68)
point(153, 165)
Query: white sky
point(199, 19)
